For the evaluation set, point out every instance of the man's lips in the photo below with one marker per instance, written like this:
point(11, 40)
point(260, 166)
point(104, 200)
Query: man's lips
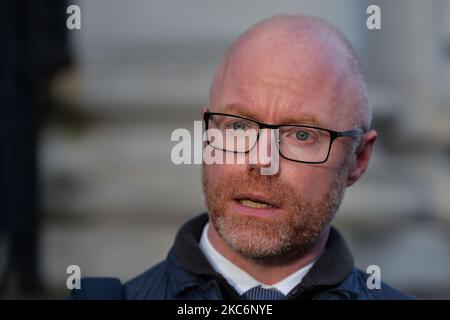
point(255, 200)
point(254, 204)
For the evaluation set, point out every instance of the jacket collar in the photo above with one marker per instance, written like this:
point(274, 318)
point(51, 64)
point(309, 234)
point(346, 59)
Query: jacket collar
point(186, 247)
point(188, 262)
point(331, 268)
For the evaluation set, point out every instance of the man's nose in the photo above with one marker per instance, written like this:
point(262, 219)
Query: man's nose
point(263, 154)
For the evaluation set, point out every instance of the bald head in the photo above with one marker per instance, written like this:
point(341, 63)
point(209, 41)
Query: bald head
point(304, 56)
point(300, 74)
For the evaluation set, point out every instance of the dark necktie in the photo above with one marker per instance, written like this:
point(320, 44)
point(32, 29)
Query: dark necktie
point(259, 293)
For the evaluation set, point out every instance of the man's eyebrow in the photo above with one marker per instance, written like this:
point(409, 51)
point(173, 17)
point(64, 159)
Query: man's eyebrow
point(238, 110)
point(303, 119)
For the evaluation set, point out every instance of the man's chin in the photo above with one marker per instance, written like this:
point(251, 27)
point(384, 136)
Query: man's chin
point(267, 240)
point(256, 251)
point(253, 237)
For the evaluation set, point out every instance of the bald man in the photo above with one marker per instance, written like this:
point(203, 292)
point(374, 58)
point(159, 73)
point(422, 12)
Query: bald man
point(291, 85)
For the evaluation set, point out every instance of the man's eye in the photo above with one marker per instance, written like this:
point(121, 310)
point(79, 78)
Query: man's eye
point(302, 135)
point(238, 125)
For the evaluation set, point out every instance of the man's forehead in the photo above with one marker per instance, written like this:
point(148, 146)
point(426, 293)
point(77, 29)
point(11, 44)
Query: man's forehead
point(282, 66)
point(280, 98)
point(299, 116)
point(279, 74)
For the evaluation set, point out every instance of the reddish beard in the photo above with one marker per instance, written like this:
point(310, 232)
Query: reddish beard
point(286, 235)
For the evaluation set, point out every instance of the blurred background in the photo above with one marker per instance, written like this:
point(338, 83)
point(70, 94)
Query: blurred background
point(86, 117)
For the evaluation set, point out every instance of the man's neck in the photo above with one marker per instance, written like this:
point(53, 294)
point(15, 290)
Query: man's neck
point(273, 273)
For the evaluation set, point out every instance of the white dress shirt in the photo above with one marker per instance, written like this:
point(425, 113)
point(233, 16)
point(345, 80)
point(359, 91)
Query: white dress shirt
point(240, 280)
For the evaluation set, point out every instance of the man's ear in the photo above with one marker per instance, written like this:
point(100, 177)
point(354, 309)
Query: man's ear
point(362, 157)
point(204, 109)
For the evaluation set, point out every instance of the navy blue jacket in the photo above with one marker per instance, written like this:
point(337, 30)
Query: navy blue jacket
point(187, 274)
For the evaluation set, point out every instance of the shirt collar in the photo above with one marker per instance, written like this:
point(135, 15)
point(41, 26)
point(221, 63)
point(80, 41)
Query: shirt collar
point(240, 280)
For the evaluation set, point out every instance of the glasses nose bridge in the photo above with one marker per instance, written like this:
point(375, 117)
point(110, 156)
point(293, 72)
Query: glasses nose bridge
point(263, 125)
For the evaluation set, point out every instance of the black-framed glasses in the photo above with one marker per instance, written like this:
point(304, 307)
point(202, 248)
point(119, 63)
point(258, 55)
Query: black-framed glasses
point(299, 143)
